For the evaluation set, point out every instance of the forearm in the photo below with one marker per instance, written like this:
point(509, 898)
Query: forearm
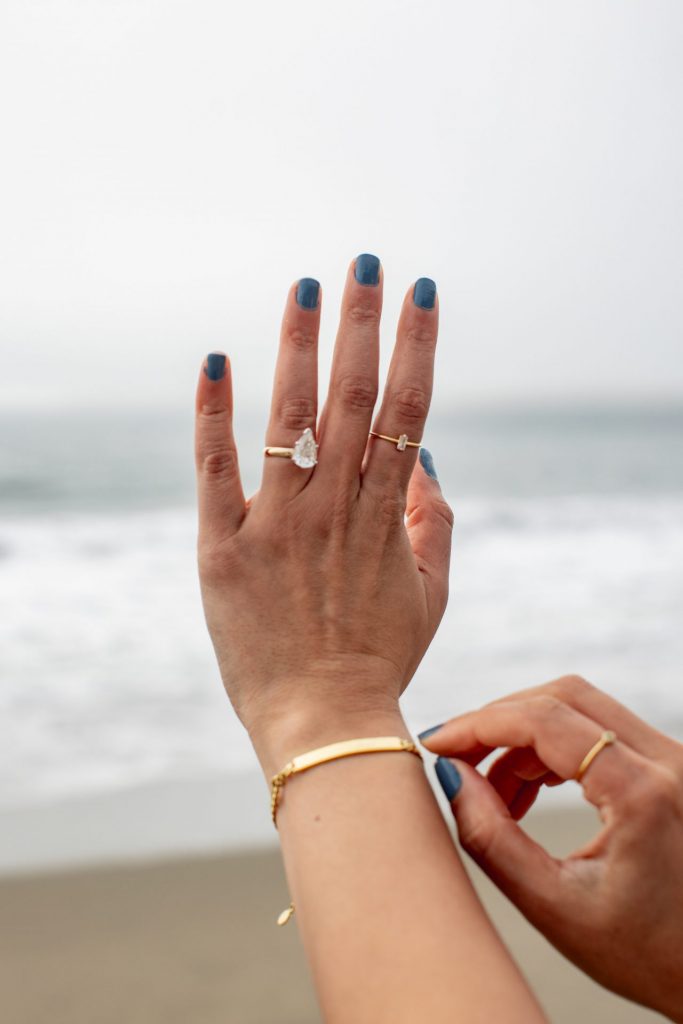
point(389, 920)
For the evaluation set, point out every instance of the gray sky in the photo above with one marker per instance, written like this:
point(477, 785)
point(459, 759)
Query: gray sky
point(171, 165)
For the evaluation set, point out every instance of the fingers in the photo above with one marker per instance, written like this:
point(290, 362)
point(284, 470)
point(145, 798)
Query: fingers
point(521, 868)
point(603, 709)
point(430, 528)
point(560, 736)
point(517, 777)
point(407, 393)
point(220, 495)
point(295, 388)
point(345, 420)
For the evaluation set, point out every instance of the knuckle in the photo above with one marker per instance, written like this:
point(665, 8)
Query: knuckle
point(662, 790)
point(389, 509)
point(215, 412)
point(475, 836)
point(411, 403)
point(217, 562)
point(442, 510)
point(301, 338)
point(479, 836)
point(221, 462)
point(363, 316)
point(570, 686)
point(336, 514)
point(421, 337)
point(358, 392)
point(296, 413)
point(546, 706)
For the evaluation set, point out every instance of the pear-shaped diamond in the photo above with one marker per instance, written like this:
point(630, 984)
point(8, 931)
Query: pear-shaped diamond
point(305, 454)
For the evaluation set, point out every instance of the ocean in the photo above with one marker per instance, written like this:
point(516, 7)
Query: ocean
point(568, 557)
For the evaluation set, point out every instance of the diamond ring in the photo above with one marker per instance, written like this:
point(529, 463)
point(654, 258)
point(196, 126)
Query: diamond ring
point(401, 442)
point(304, 453)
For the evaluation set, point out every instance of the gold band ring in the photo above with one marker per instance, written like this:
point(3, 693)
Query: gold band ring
point(606, 740)
point(278, 453)
point(401, 442)
point(304, 454)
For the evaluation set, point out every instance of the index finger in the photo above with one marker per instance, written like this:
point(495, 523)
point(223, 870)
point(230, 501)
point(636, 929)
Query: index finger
point(560, 736)
point(605, 710)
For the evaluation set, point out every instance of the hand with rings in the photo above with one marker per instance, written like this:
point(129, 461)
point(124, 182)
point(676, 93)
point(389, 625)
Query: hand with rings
point(323, 591)
point(614, 907)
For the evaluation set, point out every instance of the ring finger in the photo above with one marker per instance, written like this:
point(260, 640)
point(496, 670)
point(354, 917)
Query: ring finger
point(295, 388)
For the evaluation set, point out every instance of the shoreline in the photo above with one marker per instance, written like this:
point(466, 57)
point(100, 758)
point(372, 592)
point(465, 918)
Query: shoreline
point(167, 820)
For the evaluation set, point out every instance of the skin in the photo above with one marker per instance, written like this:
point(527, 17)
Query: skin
point(615, 907)
point(321, 599)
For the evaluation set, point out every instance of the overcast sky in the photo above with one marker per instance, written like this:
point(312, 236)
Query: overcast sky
point(169, 166)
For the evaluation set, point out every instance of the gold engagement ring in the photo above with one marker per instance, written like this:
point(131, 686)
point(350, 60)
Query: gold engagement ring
point(304, 454)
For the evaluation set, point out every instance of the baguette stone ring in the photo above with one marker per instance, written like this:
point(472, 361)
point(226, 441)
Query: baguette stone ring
point(401, 441)
point(304, 453)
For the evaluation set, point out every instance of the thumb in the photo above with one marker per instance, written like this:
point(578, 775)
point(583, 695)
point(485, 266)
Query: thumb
point(430, 526)
point(522, 869)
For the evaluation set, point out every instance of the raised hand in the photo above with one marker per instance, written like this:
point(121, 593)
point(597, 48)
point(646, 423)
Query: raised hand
point(320, 597)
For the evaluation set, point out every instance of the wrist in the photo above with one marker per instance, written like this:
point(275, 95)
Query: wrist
point(298, 730)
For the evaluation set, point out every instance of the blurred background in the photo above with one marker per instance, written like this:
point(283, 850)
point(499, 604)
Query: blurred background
point(169, 168)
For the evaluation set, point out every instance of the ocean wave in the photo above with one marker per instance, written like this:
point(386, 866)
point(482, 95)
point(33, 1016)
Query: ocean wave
point(109, 678)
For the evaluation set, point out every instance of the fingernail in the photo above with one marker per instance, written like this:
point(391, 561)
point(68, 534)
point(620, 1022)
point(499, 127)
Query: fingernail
point(449, 777)
point(427, 463)
point(428, 732)
point(215, 366)
point(424, 294)
point(367, 269)
point(307, 293)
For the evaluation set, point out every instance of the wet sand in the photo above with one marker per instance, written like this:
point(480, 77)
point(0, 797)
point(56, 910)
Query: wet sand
point(194, 940)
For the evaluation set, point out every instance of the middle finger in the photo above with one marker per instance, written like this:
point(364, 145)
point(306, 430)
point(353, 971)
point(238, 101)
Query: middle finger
point(345, 420)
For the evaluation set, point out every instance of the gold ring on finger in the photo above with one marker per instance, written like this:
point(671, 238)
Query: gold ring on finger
point(401, 441)
point(304, 454)
point(607, 739)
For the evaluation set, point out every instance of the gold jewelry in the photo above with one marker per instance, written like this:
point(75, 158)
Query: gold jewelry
point(401, 442)
point(304, 454)
point(346, 748)
point(278, 453)
point(333, 751)
point(607, 739)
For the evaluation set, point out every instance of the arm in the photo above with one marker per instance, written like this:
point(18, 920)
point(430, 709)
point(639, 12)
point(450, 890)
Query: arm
point(614, 907)
point(321, 599)
point(392, 928)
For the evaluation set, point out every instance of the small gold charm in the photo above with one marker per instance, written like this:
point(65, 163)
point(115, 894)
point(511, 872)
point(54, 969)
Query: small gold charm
point(285, 915)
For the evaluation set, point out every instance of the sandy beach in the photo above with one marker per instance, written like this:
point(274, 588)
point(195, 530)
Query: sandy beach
point(194, 939)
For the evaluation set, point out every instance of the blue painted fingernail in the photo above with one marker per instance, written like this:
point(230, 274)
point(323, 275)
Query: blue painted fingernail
point(215, 366)
point(424, 294)
point(449, 777)
point(307, 293)
point(429, 732)
point(427, 463)
point(367, 269)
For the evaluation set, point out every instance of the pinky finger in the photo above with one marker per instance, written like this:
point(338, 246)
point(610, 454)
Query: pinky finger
point(219, 488)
